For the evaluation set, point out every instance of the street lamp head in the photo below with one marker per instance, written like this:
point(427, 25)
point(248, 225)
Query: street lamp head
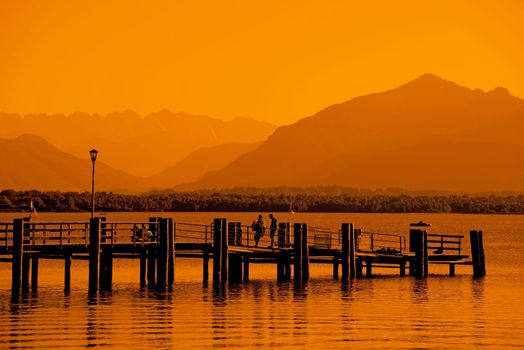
point(93, 153)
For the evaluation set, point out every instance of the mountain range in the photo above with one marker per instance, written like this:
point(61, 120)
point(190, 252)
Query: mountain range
point(428, 134)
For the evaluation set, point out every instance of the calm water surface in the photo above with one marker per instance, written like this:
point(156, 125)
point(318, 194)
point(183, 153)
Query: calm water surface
point(386, 311)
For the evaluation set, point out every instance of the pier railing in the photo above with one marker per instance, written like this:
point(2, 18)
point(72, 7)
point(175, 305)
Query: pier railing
point(441, 243)
point(376, 242)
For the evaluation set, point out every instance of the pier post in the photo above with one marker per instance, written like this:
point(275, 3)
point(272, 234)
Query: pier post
point(171, 253)
point(477, 253)
point(305, 254)
point(18, 252)
point(151, 252)
point(205, 266)
point(418, 244)
point(225, 253)
point(452, 269)
point(235, 268)
point(143, 267)
point(425, 254)
point(403, 268)
point(280, 267)
point(281, 239)
point(67, 272)
point(287, 267)
point(412, 249)
point(94, 254)
point(335, 268)
point(162, 255)
point(26, 269)
point(348, 252)
point(217, 252)
point(359, 267)
point(297, 235)
point(481, 253)
point(369, 268)
point(34, 271)
point(106, 265)
point(246, 268)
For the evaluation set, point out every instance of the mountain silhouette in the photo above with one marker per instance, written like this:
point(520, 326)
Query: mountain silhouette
point(30, 162)
point(199, 163)
point(427, 134)
point(139, 146)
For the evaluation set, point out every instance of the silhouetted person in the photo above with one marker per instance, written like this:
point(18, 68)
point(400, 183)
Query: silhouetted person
point(272, 229)
point(259, 228)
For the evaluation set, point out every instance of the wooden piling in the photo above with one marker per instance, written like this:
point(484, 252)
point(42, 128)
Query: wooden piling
point(403, 268)
point(352, 251)
point(452, 269)
point(369, 268)
point(297, 235)
point(18, 252)
point(67, 272)
point(246, 267)
point(235, 268)
point(280, 268)
point(305, 254)
point(225, 252)
point(335, 268)
point(359, 267)
point(26, 269)
point(143, 267)
point(162, 254)
point(94, 254)
point(425, 254)
point(287, 267)
point(205, 266)
point(477, 253)
point(217, 252)
point(106, 266)
point(34, 271)
point(171, 253)
point(151, 253)
point(345, 236)
point(418, 244)
point(481, 253)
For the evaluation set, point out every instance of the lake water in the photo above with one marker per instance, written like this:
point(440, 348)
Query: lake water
point(386, 311)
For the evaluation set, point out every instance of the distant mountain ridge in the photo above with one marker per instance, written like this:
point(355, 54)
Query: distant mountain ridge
point(140, 146)
point(30, 162)
point(365, 142)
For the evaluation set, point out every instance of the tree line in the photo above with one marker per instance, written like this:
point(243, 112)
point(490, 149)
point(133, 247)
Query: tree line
point(208, 201)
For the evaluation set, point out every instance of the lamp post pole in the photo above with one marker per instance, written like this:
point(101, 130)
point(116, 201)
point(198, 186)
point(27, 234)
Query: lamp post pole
point(93, 153)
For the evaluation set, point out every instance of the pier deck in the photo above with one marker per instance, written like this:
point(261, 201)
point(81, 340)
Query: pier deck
point(230, 246)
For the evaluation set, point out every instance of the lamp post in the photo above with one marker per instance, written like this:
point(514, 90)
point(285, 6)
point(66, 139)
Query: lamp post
point(93, 153)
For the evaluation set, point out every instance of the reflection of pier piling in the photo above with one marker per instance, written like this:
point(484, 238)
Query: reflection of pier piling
point(157, 242)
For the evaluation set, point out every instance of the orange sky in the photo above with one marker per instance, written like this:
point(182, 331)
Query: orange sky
point(271, 60)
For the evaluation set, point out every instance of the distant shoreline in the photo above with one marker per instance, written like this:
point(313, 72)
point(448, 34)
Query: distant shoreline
point(62, 202)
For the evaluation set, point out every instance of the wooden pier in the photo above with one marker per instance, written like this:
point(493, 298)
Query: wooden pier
point(229, 245)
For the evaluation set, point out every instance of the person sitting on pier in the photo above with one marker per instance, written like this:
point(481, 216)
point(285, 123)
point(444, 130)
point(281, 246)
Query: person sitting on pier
point(259, 228)
point(272, 229)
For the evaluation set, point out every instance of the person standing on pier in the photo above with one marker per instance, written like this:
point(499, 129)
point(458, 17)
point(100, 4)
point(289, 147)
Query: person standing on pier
point(272, 229)
point(259, 228)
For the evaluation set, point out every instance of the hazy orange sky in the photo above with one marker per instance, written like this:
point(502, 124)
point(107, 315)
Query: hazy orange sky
point(270, 60)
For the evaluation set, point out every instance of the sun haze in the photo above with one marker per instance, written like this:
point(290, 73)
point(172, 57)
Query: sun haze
point(272, 60)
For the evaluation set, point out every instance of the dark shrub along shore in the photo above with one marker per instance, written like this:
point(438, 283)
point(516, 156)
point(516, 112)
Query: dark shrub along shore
point(244, 202)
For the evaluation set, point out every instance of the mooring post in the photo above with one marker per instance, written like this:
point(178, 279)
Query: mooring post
point(217, 252)
point(281, 240)
point(18, 252)
point(481, 253)
point(412, 249)
point(143, 267)
point(369, 268)
point(34, 271)
point(335, 268)
point(94, 254)
point(26, 269)
point(287, 266)
point(67, 272)
point(280, 267)
point(297, 235)
point(352, 251)
point(477, 253)
point(225, 253)
point(106, 266)
point(162, 254)
point(425, 254)
point(151, 252)
point(305, 254)
point(452, 269)
point(246, 268)
point(359, 267)
point(205, 265)
point(416, 241)
point(235, 268)
point(403, 268)
point(171, 253)
point(345, 251)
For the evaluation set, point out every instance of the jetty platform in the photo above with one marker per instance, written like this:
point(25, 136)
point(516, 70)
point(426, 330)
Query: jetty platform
point(352, 252)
